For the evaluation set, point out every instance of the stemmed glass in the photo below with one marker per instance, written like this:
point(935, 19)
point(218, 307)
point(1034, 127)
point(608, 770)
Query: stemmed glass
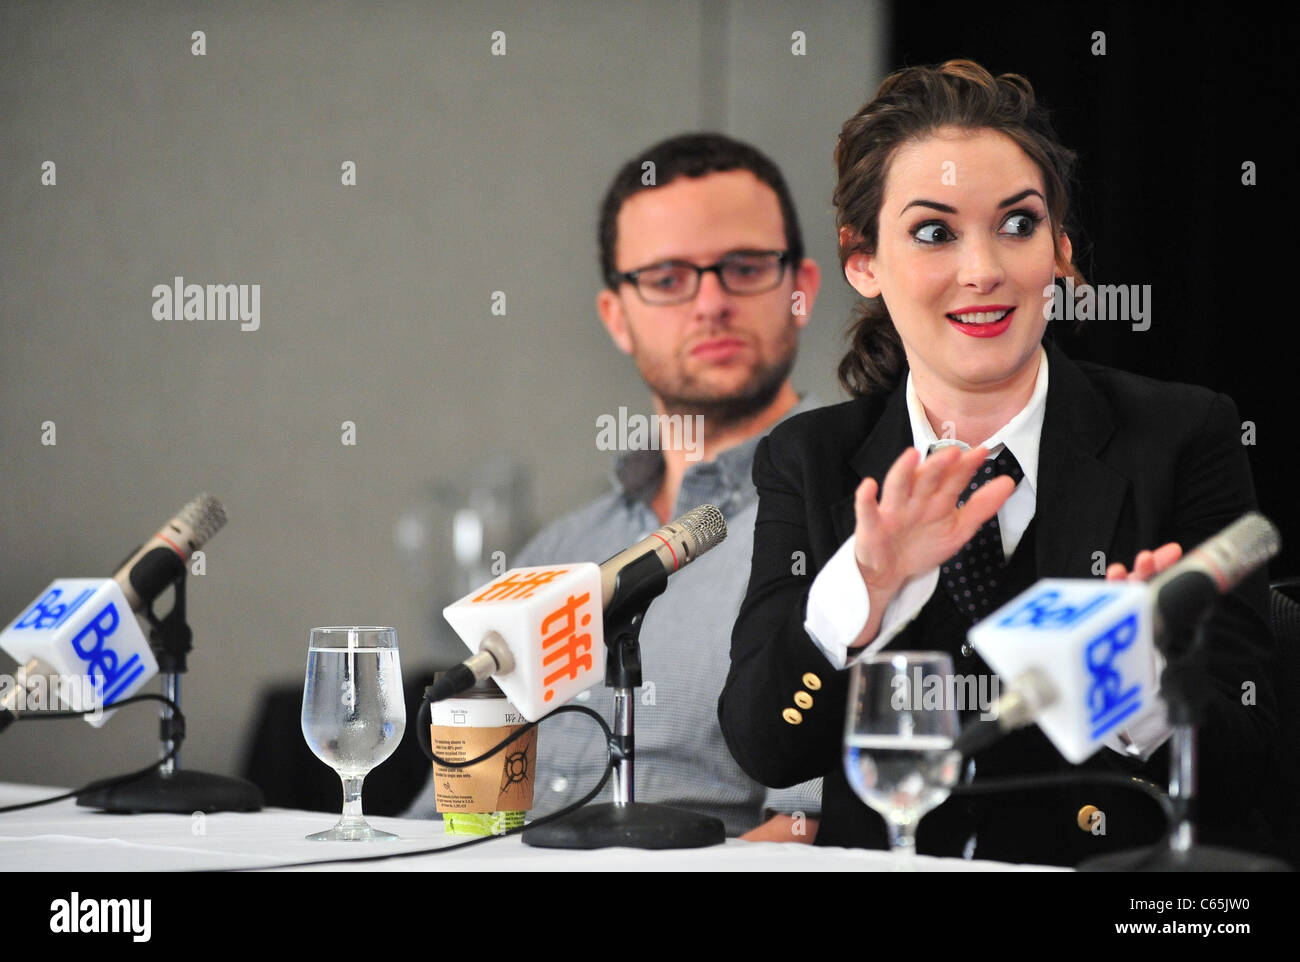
point(353, 713)
point(898, 742)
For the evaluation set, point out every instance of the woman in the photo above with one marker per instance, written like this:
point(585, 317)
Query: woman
point(951, 201)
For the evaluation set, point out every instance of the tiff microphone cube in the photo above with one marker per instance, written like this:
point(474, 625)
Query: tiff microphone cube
point(551, 618)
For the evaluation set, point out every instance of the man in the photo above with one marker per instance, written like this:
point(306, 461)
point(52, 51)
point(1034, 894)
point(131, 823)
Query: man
point(706, 288)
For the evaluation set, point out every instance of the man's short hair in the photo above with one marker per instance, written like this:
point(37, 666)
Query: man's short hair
point(691, 155)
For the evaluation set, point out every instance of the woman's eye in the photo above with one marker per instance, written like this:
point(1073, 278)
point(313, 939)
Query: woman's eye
point(1025, 223)
point(932, 233)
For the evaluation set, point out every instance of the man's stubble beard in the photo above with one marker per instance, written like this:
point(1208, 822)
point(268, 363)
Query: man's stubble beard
point(680, 393)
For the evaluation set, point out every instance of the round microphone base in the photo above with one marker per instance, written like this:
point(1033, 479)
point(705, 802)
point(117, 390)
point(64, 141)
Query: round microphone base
point(629, 826)
point(1198, 858)
point(182, 792)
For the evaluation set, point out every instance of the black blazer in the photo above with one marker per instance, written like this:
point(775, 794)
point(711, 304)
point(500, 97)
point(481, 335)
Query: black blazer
point(1125, 463)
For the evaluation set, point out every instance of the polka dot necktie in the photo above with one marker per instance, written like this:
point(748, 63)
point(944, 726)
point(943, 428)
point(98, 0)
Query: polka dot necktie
point(971, 576)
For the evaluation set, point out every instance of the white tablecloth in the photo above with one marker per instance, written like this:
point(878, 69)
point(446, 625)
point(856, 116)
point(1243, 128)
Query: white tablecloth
point(64, 838)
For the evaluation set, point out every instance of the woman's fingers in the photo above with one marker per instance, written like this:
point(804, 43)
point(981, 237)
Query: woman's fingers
point(1167, 554)
point(872, 548)
point(932, 471)
point(864, 504)
point(913, 514)
point(1143, 566)
point(897, 489)
point(985, 502)
point(868, 536)
point(1147, 564)
point(982, 505)
point(957, 477)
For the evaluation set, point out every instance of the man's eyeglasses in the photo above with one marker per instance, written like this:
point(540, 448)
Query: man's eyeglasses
point(676, 282)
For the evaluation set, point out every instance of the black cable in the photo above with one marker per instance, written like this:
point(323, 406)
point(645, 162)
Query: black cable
point(424, 717)
point(421, 726)
point(103, 782)
point(546, 819)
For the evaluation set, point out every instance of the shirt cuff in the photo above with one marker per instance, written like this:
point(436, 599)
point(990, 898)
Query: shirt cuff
point(1148, 730)
point(838, 607)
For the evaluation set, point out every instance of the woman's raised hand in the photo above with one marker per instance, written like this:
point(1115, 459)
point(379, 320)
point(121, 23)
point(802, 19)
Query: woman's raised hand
point(917, 525)
point(1146, 564)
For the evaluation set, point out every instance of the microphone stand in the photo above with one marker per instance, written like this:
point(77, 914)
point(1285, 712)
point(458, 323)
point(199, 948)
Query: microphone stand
point(626, 822)
point(168, 788)
point(1182, 687)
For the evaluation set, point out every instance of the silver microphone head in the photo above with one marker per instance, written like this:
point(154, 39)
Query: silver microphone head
point(199, 520)
point(705, 527)
point(1257, 538)
point(676, 544)
point(1238, 550)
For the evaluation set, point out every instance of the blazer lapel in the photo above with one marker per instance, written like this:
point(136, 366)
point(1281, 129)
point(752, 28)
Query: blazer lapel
point(1079, 497)
point(888, 439)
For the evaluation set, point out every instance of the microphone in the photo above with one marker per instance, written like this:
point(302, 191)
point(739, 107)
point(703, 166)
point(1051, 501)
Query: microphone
point(1031, 692)
point(156, 564)
point(1185, 589)
point(675, 545)
point(80, 632)
point(538, 630)
point(1080, 651)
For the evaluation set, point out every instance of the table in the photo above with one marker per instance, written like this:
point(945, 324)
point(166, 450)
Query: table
point(64, 838)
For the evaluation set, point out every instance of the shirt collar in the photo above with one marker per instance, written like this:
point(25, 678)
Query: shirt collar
point(637, 474)
point(1021, 435)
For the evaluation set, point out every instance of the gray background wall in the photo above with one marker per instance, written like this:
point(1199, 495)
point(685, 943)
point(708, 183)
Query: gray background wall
point(476, 173)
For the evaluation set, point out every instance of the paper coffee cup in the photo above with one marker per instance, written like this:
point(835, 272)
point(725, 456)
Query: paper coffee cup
point(493, 795)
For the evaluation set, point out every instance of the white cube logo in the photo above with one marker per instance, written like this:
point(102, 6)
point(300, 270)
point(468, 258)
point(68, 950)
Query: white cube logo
point(551, 619)
point(1097, 635)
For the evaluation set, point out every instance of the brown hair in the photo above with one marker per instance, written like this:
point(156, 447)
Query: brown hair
point(690, 155)
point(911, 104)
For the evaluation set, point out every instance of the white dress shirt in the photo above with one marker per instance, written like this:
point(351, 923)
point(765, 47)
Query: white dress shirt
point(838, 605)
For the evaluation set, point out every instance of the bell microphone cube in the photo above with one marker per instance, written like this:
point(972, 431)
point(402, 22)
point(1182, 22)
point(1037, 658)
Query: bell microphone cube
point(1093, 640)
point(552, 620)
point(83, 628)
